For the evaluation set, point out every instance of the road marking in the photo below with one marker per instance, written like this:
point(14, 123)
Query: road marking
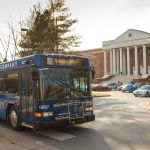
point(114, 120)
point(102, 124)
point(95, 126)
point(60, 136)
point(39, 142)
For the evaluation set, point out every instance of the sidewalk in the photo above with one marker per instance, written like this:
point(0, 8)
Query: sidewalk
point(7, 144)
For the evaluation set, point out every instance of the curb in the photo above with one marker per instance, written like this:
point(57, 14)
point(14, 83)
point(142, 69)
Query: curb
point(100, 94)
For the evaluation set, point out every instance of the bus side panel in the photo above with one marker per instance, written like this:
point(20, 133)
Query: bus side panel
point(3, 114)
point(4, 105)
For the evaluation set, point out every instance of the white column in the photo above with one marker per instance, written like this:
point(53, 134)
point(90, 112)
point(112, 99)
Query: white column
point(124, 62)
point(144, 60)
point(136, 60)
point(120, 49)
point(117, 54)
point(111, 62)
point(105, 62)
point(114, 61)
point(128, 61)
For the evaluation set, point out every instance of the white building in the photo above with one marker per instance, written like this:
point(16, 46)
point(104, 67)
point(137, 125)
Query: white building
point(129, 54)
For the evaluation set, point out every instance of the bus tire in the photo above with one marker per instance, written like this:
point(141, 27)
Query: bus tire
point(14, 119)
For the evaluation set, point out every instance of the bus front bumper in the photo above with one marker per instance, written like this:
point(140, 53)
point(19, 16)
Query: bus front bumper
point(71, 121)
point(87, 118)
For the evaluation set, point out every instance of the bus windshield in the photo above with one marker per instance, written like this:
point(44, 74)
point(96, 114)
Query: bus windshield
point(64, 83)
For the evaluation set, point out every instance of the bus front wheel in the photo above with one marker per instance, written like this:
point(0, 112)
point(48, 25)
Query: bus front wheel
point(14, 119)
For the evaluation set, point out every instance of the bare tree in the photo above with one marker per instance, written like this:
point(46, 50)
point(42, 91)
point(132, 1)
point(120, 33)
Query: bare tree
point(5, 44)
point(9, 43)
point(15, 38)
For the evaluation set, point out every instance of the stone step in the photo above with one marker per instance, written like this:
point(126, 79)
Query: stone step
point(121, 78)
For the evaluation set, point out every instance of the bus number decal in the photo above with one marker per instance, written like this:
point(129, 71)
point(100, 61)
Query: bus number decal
point(43, 106)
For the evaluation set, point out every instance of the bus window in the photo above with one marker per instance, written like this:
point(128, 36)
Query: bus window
point(64, 83)
point(79, 83)
point(1, 85)
point(53, 83)
point(12, 83)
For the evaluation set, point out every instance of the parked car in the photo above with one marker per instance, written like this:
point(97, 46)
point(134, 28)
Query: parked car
point(92, 85)
point(119, 88)
point(129, 88)
point(111, 85)
point(100, 87)
point(142, 91)
point(139, 84)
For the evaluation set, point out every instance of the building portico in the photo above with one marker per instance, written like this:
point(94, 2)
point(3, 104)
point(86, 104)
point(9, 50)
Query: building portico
point(129, 54)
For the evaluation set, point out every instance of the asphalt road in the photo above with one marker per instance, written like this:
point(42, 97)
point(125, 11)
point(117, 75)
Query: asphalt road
point(122, 123)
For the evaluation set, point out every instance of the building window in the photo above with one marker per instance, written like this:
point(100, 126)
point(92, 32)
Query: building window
point(130, 34)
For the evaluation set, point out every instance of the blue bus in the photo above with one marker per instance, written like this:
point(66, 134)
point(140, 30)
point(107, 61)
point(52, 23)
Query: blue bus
point(38, 90)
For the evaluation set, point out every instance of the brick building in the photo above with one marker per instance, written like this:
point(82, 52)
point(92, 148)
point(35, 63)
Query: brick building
point(127, 55)
point(96, 57)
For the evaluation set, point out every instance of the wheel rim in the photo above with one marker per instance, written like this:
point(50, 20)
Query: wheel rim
point(13, 118)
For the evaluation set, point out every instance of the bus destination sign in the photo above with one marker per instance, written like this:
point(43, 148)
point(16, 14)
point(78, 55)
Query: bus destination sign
point(65, 61)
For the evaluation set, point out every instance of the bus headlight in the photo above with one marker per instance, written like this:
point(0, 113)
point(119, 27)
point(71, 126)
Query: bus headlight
point(43, 114)
point(47, 114)
point(89, 108)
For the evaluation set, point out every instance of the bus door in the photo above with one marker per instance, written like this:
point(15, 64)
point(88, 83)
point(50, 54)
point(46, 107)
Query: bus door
point(26, 96)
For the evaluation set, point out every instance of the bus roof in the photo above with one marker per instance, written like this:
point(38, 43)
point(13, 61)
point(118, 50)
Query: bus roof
point(37, 60)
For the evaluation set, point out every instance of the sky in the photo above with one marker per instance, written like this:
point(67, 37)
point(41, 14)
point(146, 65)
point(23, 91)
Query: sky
point(98, 20)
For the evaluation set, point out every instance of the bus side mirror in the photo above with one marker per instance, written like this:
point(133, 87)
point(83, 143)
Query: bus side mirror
point(93, 72)
point(35, 75)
